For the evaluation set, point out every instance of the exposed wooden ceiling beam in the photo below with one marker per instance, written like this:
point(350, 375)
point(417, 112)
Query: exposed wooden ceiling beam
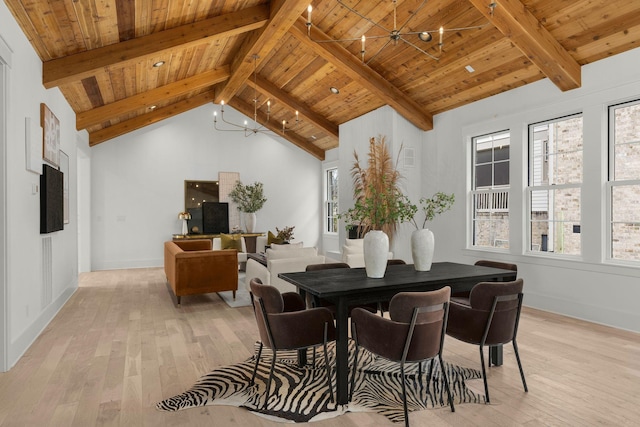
point(155, 116)
point(283, 14)
point(124, 106)
point(81, 65)
point(287, 100)
point(248, 111)
point(515, 21)
point(363, 75)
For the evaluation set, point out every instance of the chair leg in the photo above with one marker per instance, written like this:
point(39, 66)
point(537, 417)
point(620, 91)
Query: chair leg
point(484, 375)
point(255, 368)
point(273, 364)
point(404, 395)
point(515, 349)
point(430, 374)
point(353, 373)
point(446, 383)
point(326, 363)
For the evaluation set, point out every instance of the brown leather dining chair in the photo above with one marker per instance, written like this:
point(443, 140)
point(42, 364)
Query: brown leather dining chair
point(284, 323)
point(414, 333)
point(463, 297)
point(490, 318)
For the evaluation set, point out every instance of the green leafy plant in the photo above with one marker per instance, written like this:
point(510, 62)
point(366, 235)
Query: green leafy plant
point(430, 207)
point(249, 198)
point(379, 204)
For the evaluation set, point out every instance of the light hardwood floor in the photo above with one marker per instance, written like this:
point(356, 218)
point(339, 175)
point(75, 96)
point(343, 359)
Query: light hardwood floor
point(120, 345)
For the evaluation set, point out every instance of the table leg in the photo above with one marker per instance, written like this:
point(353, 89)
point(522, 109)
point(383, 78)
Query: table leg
point(302, 354)
point(495, 355)
point(342, 353)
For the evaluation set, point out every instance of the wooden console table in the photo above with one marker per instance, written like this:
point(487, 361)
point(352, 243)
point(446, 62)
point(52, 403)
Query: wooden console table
point(249, 238)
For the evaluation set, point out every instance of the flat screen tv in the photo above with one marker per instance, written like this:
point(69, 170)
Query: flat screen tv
point(51, 200)
point(215, 217)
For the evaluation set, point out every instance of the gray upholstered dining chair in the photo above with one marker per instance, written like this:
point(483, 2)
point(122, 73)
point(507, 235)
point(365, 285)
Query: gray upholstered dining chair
point(414, 333)
point(490, 318)
point(284, 323)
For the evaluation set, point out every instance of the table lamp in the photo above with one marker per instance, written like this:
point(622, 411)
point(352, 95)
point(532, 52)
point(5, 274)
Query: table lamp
point(184, 216)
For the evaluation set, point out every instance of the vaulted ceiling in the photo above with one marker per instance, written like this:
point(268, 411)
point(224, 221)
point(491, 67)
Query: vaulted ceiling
point(101, 54)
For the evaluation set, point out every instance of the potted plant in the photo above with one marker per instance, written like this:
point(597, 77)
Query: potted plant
point(286, 234)
point(250, 199)
point(422, 239)
point(379, 205)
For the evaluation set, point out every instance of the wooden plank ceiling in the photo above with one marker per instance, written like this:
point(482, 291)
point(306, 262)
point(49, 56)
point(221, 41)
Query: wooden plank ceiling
point(101, 54)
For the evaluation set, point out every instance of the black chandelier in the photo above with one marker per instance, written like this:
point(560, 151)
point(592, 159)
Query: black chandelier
point(395, 35)
point(256, 127)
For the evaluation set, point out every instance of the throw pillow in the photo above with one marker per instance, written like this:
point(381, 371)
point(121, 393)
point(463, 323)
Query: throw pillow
point(286, 246)
point(271, 239)
point(300, 253)
point(231, 241)
point(354, 242)
point(352, 250)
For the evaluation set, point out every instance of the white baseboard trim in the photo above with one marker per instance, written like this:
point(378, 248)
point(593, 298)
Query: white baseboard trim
point(591, 313)
point(21, 344)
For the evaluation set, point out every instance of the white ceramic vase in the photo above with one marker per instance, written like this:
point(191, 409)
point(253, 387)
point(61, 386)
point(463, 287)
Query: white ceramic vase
point(376, 252)
point(250, 221)
point(422, 245)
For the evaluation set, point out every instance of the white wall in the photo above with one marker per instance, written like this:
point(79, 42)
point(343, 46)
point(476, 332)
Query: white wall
point(27, 315)
point(137, 184)
point(587, 287)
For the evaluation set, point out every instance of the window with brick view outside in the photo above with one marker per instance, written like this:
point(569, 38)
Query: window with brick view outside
point(624, 181)
point(490, 194)
point(555, 179)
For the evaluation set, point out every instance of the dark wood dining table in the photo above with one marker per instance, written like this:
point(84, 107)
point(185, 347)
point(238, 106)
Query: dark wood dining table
point(346, 287)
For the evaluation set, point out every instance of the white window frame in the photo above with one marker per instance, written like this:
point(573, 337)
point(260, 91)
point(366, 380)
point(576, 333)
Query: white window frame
point(611, 183)
point(493, 194)
point(529, 249)
point(327, 203)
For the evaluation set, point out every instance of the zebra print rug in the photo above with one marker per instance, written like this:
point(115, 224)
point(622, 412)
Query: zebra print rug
point(300, 394)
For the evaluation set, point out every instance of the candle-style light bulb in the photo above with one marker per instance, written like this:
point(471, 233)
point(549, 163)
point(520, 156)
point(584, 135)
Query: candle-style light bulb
point(297, 115)
point(309, 9)
point(362, 49)
point(441, 33)
point(268, 107)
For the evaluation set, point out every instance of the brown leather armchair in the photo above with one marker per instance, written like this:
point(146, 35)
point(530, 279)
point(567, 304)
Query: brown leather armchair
point(414, 333)
point(285, 324)
point(191, 267)
point(491, 318)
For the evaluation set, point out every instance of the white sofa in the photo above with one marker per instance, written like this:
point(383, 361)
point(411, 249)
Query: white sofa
point(353, 253)
point(282, 260)
point(242, 255)
point(261, 244)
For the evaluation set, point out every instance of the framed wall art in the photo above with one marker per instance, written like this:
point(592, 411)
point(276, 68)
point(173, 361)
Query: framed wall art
point(50, 135)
